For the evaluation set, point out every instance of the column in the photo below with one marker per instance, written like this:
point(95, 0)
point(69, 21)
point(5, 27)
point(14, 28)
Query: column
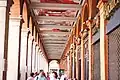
point(70, 64)
point(103, 59)
point(82, 59)
point(39, 59)
point(77, 61)
point(89, 23)
point(36, 68)
point(23, 53)
point(29, 53)
point(13, 48)
point(68, 70)
point(33, 58)
point(3, 5)
point(73, 65)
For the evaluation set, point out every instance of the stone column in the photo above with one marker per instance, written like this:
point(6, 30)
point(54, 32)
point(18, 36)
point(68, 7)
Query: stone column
point(68, 70)
point(89, 23)
point(82, 59)
point(73, 65)
point(36, 68)
point(13, 48)
point(3, 5)
point(33, 58)
point(39, 59)
point(70, 74)
point(23, 53)
point(103, 69)
point(77, 61)
point(29, 54)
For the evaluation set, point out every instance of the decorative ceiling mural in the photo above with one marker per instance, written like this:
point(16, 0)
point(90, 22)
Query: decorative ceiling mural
point(55, 19)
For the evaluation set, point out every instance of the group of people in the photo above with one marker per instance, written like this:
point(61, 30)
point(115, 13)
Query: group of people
point(41, 76)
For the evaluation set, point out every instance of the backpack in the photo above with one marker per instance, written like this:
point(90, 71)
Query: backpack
point(37, 78)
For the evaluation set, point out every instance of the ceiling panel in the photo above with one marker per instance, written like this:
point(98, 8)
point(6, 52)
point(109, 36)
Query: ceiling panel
point(55, 19)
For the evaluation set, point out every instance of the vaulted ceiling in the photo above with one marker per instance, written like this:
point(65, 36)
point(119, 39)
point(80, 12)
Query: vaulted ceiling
point(55, 19)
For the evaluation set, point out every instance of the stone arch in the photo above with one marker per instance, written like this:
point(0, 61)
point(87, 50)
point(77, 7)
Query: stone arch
point(54, 64)
point(24, 16)
point(85, 14)
point(93, 8)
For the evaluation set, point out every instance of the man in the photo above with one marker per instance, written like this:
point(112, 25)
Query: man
point(31, 77)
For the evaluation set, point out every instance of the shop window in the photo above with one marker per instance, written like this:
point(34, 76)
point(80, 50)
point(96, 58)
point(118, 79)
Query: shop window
point(96, 60)
point(114, 54)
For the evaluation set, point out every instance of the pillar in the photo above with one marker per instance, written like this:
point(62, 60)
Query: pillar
point(3, 5)
point(77, 61)
point(73, 65)
point(29, 54)
point(70, 64)
point(82, 59)
point(103, 72)
point(89, 23)
point(34, 57)
point(13, 48)
point(23, 55)
point(39, 59)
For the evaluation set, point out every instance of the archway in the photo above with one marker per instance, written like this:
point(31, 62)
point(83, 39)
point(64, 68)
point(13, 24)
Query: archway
point(53, 66)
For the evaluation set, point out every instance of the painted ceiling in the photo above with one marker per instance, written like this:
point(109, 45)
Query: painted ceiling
point(55, 19)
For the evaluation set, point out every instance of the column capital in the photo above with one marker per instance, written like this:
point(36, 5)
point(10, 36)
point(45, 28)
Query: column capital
point(35, 43)
point(24, 33)
point(25, 30)
point(3, 3)
point(15, 21)
point(31, 37)
point(101, 3)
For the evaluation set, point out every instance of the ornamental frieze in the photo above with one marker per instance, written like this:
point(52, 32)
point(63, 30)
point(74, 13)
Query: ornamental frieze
point(110, 8)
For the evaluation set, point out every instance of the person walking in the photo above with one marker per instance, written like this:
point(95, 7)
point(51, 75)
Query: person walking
point(48, 77)
point(54, 76)
point(42, 76)
point(31, 77)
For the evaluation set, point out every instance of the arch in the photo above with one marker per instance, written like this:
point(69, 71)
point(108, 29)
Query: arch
point(53, 65)
point(85, 14)
point(93, 8)
point(24, 14)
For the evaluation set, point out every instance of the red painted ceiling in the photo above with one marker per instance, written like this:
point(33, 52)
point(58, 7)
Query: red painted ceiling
point(59, 1)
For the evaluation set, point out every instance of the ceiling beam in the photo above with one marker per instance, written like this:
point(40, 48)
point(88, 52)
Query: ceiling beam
point(54, 41)
point(54, 18)
point(54, 53)
point(53, 36)
point(47, 48)
point(43, 26)
point(54, 45)
point(51, 51)
point(54, 33)
point(55, 6)
point(54, 50)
